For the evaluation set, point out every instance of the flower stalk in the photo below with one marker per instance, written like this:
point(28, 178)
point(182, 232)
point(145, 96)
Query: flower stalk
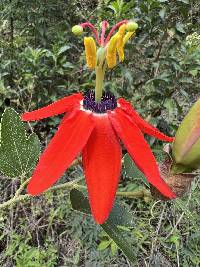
point(100, 73)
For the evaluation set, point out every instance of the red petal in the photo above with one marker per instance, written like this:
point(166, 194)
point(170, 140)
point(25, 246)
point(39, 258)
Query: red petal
point(139, 150)
point(69, 140)
point(102, 166)
point(144, 126)
point(63, 105)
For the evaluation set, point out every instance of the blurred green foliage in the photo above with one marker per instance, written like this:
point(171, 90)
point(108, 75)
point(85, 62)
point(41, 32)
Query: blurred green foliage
point(40, 61)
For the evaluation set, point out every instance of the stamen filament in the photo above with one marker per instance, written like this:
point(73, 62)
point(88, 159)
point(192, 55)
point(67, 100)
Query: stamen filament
point(114, 28)
point(89, 25)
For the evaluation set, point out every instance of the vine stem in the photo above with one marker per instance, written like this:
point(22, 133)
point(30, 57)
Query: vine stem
point(17, 197)
point(68, 185)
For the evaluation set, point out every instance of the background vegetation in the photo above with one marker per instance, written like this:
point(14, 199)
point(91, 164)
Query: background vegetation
point(41, 61)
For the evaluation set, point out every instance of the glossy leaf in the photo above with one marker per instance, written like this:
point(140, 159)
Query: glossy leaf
point(18, 154)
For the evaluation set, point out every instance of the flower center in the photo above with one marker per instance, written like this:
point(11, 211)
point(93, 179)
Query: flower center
point(108, 102)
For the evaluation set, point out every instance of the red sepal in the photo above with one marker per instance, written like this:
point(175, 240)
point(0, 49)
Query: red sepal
point(144, 126)
point(64, 147)
point(102, 166)
point(61, 106)
point(139, 150)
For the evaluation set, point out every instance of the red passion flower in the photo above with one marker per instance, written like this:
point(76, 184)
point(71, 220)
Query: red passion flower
point(94, 128)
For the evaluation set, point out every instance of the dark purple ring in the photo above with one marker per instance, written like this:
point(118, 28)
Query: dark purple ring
point(108, 102)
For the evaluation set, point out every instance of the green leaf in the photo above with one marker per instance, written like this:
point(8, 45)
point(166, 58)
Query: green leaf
point(132, 171)
point(186, 80)
point(162, 13)
point(169, 105)
point(118, 216)
point(63, 49)
point(114, 248)
point(180, 27)
point(68, 65)
point(114, 7)
point(179, 108)
point(104, 244)
point(18, 154)
point(194, 72)
point(159, 154)
point(165, 77)
point(175, 239)
point(184, 1)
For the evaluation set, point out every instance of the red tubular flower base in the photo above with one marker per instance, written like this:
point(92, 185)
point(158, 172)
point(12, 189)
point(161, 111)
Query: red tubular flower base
point(102, 165)
point(93, 129)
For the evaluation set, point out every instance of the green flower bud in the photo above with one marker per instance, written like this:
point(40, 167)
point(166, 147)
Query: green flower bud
point(77, 30)
point(131, 26)
point(186, 147)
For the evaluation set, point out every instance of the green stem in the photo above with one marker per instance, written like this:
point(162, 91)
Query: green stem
point(100, 73)
point(135, 194)
point(69, 185)
point(19, 198)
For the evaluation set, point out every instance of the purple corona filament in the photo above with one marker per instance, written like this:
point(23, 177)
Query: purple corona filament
point(108, 102)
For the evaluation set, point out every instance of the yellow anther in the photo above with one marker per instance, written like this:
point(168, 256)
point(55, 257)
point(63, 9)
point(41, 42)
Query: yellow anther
point(90, 51)
point(127, 37)
point(111, 54)
point(122, 29)
point(116, 45)
point(120, 44)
